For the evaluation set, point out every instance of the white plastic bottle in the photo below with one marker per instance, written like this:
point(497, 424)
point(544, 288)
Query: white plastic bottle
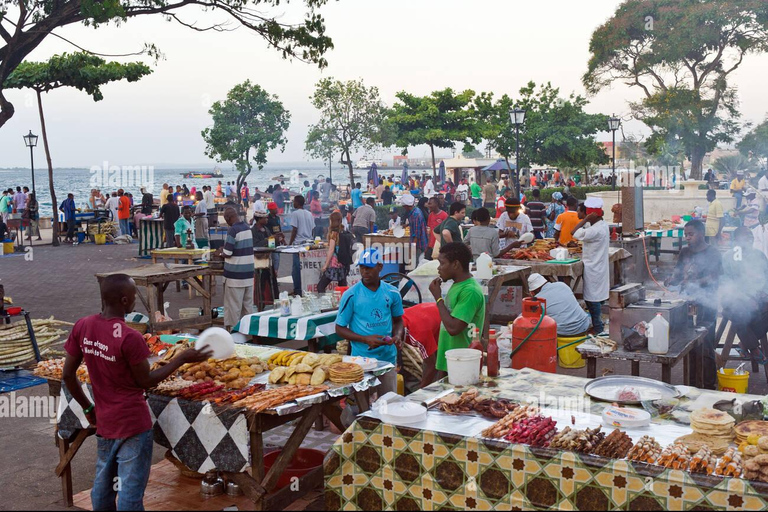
point(484, 267)
point(658, 335)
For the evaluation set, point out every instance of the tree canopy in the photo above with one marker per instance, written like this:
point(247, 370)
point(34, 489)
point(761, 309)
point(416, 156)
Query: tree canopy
point(352, 118)
point(437, 120)
point(680, 54)
point(25, 25)
point(755, 143)
point(248, 124)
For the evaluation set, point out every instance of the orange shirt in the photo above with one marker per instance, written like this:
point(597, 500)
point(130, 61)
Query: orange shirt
point(565, 223)
point(124, 209)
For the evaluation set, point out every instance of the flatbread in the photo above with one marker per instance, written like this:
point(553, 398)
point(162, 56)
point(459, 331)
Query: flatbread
point(747, 428)
point(694, 443)
point(711, 417)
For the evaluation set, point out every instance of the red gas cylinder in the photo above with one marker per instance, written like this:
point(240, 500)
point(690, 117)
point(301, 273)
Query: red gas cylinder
point(539, 352)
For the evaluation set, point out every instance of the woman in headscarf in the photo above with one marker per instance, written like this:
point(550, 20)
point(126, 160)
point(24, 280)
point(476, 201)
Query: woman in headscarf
point(554, 209)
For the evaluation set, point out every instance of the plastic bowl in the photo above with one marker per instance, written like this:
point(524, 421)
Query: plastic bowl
point(304, 461)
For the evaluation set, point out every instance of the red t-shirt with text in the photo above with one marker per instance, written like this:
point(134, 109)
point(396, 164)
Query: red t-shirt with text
point(109, 348)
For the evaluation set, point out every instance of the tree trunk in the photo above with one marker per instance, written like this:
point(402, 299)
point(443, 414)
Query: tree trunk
point(54, 203)
point(434, 169)
point(697, 163)
point(348, 163)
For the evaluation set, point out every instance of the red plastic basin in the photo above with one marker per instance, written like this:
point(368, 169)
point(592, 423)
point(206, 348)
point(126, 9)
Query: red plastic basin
point(304, 461)
point(13, 311)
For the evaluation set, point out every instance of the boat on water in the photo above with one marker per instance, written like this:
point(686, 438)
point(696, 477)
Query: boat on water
point(203, 175)
point(365, 163)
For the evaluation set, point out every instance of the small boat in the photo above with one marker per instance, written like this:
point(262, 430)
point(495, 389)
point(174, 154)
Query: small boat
point(203, 175)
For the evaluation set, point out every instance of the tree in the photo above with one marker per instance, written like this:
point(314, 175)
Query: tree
point(556, 131)
point(82, 71)
point(25, 25)
point(437, 120)
point(352, 118)
point(755, 142)
point(680, 54)
point(246, 126)
point(729, 164)
point(472, 154)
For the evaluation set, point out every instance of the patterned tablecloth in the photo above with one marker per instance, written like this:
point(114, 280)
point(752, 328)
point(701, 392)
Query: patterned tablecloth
point(379, 466)
point(269, 324)
point(665, 233)
point(150, 235)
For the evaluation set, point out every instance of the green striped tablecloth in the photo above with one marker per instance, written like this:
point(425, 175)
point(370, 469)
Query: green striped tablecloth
point(150, 236)
point(269, 324)
point(665, 233)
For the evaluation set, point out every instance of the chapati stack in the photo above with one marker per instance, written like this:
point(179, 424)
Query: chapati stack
point(753, 428)
point(711, 428)
point(345, 373)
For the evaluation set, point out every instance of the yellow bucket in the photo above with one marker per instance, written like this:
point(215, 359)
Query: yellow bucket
point(568, 357)
point(100, 238)
point(732, 383)
point(7, 247)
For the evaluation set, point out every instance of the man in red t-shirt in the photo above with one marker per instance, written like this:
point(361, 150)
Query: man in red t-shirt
point(116, 358)
point(436, 217)
point(124, 212)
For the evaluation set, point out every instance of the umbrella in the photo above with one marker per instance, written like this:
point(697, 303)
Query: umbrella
point(404, 177)
point(373, 175)
point(441, 172)
point(499, 165)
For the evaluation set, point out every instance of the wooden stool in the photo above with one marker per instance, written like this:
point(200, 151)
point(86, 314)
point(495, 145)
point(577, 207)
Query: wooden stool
point(725, 354)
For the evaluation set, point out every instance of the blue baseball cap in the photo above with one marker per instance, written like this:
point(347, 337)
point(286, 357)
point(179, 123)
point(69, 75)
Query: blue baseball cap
point(370, 258)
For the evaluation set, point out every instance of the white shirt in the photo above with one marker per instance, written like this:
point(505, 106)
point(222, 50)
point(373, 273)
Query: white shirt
point(521, 225)
point(112, 205)
point(258, 206)
point(597, 277)
point(393, 223)
point(208, 197)
point(760, 233)
point(429, 189)
point(762, 184)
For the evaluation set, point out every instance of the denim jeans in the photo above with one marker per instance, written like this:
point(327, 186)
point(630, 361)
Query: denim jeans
point(477, 202)
point(122, 472)
point(296, 274)
point(739, 198)
point(125, 226)
point(595, 311)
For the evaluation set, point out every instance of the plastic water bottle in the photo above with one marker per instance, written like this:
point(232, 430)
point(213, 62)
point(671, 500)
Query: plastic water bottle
point(658, 335)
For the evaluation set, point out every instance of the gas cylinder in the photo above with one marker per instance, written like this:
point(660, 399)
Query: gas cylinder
point(539, 352)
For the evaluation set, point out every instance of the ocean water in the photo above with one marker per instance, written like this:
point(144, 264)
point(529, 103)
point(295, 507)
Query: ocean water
point(81, 181)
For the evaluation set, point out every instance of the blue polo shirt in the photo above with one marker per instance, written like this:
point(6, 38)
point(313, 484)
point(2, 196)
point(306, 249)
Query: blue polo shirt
point(357, 197)
point(366, 313)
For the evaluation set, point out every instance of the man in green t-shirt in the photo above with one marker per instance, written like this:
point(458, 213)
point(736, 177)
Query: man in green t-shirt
point(476, 193)
point(450, 229)
point(463, 308)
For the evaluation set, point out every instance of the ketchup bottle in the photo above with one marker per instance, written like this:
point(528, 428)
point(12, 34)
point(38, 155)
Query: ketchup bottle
point(493, 354)
point(477, 345)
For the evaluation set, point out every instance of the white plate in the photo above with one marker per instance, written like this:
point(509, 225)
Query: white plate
point(403, 413)
point(366, 363)
point(218, 340)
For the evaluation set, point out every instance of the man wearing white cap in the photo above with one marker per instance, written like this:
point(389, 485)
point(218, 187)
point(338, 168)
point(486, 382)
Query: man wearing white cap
point(593, 232)
point(562, 305)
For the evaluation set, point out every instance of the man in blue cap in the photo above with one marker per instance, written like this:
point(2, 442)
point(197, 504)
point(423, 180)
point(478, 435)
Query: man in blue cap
point(371, 317)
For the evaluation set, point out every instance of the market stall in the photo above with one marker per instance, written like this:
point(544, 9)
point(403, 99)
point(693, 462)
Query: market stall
point(151, 235)
point(317, 329)
point(155, 278)
point(655, 238)
point(549, 458)
point(219, 426)
point(183, 256)
point(312, 258)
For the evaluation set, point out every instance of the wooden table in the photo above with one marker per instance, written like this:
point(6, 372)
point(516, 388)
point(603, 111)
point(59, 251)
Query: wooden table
point(683, 345)
point(179, 255)
point(156, 278)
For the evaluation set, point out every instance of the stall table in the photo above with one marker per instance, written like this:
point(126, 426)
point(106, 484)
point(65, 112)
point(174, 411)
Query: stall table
point(655, 236)
point(444, 464)
point(151, 235)
point(318, 330)
point(570, 273)
point(156, 278)
point(184, 256)
point(229, 440)
point(684, 345)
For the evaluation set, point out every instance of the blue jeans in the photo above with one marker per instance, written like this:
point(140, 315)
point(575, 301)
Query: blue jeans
point(122, 472)
point(296, 274)
point(477, 202)
point(595, 310)
point(125, 226)
point(739, 198)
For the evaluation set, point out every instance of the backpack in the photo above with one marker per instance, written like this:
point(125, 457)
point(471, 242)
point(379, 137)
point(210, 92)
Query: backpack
point(345, 252)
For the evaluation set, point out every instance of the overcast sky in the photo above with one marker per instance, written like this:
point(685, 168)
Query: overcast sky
point(418, 46)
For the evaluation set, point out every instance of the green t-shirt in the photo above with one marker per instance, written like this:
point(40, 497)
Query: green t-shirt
point(4, 202)
point(180, 228)
point(475, 189)
point(466, 302)
point(451, 225)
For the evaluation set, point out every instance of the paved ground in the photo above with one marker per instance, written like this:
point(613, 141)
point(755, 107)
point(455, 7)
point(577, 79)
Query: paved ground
point(59, 282)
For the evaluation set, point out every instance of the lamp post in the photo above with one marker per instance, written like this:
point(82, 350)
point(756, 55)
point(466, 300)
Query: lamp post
point(517, 116)
point(30, 141)
point(613, 125)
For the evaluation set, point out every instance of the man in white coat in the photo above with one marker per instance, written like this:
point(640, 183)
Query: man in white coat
point(593, 232)
point(429, 189)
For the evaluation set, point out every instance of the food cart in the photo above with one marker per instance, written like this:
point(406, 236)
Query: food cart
point(445, 462)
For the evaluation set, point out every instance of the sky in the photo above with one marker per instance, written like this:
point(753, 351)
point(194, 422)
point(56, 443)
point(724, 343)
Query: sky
point(418, 46)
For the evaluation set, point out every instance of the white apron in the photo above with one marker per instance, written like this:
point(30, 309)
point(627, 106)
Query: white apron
point(597, 276)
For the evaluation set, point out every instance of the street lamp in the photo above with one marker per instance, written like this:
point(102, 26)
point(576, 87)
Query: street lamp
point(517, 116)
point(30, 141)
point(613, 125)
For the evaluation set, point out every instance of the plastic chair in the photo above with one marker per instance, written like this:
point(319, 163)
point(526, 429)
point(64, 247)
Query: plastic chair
point(404, 284)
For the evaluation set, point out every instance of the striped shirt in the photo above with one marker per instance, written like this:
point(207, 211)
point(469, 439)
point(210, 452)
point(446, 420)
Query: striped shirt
point(238, 250)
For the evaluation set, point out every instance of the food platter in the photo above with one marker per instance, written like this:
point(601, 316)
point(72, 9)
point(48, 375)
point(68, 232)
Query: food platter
point(365, 362)
point(606, 389)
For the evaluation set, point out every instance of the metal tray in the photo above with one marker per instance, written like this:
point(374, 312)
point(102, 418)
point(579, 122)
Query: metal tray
point(605, 389)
